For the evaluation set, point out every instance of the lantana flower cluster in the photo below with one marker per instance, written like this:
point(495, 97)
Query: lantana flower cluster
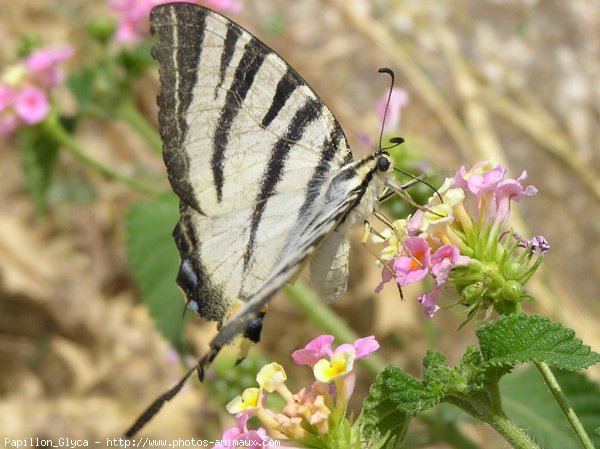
point(310, 414)
point(25, 88)
point(133, 14)
point(460, 238)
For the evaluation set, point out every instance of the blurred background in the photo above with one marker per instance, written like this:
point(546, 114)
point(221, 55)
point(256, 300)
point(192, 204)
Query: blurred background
point(515, 81)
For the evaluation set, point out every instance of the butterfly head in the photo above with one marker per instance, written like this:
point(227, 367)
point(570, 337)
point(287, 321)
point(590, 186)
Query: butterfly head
point(384, 162)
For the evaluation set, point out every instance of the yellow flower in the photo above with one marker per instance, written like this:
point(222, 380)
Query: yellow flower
point(392, 237)
point(341, 363)
point(249, 400)
point(271, 376)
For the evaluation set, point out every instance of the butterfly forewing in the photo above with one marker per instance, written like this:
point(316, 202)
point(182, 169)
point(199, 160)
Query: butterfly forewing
point(262, 170)
point(249, 148)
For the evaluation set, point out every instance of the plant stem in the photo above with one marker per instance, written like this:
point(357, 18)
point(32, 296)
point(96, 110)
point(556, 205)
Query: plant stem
point(563, 402)
point(129, 113)
point(54, 128)
point(447, 432)
point(328, 321)
point(512, 433)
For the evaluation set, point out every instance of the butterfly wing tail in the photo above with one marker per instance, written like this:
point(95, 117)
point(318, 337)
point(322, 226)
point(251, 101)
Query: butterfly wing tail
point(155, 407)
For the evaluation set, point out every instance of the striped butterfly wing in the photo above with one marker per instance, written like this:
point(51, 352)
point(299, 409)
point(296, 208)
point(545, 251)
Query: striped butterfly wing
point(261, 167)
point(250, 150)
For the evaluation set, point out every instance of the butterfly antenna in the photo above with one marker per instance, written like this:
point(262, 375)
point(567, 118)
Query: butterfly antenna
point(387, 105)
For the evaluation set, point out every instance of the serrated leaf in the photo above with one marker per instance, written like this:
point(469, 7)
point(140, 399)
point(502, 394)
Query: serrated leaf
point(520, 338)
point(38, 157)
point(380, 415)
point(540, 414)
point(436, 374)
point(155, 262)
point(408, 394)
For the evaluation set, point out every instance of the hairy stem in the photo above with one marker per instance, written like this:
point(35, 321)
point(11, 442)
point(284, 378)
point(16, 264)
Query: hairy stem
point(564, 405)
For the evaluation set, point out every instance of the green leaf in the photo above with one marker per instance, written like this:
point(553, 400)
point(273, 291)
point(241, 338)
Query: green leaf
point(38, 157)
point(437, 376)
point(380, 415)
point(155, 261)
point(520, 338)
point(81, 85)
point(137, 59)
point(540, 414)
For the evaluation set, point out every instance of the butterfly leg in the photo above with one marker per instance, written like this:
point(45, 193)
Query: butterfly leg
point(368, 230)
point(401, 191)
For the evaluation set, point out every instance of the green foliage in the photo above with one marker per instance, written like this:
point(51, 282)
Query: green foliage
point(155, 261)
point(136, 60)
point(472, 385)
point(101, 29)
point(102, 86)
point(27, 44)
point(38, 157)
point(81, 84)
point(381, 416)
point(520, 338)
point(540, 415)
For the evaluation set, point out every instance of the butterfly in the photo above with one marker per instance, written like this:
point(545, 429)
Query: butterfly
point(263, 171)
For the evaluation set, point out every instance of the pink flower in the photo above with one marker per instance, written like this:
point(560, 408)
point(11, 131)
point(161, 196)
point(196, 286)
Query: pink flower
point(415, 266)
point(7, 96)
point(428, 301)
point(227, 6)
point(24, 96)
point(8, 123)
point(32, 105)
point(483, 177)
point(511, 190)
point(315, 350)
point(133, 21)
point(133, 15)
point(8, 119)
point(539, 245)
point(408, 268)
point(443, 260)
point(240, 432)
point(330, 363)
point(43, 63)
point(398, 101)
point(341, 362)
point(386, 276)
point(364, 347)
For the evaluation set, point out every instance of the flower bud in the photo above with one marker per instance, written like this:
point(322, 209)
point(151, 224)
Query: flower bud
point(512, 270)
point(472, 293)
point(512, 291)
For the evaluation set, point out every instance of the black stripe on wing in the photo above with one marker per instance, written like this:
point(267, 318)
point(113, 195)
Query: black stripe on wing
point(233, 33)
point(303, 117)
point(285, 87)
point(178, 56)
point(244, 75)
point(329, 150)
point(322, 223)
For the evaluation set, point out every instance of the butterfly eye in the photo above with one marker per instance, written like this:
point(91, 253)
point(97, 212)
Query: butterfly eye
point(383, 163)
